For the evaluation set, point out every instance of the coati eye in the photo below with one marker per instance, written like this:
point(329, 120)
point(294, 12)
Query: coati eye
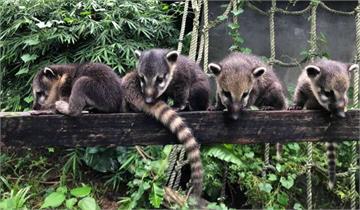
point(245, 94)
point(39, 94)
point(328, 93)
point(142, 80)
point(226, 94)
point(159, 80)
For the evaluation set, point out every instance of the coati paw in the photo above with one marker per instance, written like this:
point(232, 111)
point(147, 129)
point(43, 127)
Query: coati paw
point(294, 107)
point(211, 108)
point(180, 108)
point(267, 108)
point(62, 107)
point(42, 112)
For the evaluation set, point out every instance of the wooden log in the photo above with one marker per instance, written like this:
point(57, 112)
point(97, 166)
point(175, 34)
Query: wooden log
point(127, 129)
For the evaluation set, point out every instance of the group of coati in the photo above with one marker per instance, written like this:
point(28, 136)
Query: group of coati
point(243, 80)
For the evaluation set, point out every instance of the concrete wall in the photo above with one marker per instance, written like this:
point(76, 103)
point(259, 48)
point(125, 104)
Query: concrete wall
point(292, 34)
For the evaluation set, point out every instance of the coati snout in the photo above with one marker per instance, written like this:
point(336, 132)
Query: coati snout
point(234, 89)
point(329, 82)
point(72, 88)
point(45, 87)
point(155, 70)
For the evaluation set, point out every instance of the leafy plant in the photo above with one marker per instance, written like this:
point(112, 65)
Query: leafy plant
point(234, 26)
point(77, 197)
point(15, 199)
point(38, 33)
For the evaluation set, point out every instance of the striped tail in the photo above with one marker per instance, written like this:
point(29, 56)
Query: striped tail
point(168, 117)
point(331, 156)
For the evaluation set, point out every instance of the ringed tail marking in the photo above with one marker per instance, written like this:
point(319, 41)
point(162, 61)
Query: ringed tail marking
point(168, 117)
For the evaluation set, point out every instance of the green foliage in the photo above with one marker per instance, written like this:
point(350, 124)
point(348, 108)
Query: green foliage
point(15, 199)
point(62, 197)
point(37, 33)
point(234, 26)
point(241, 166)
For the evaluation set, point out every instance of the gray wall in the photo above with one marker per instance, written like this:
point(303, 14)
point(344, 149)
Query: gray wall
point(292, 34)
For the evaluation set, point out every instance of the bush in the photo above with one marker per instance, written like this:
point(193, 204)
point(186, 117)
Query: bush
point(38, 33)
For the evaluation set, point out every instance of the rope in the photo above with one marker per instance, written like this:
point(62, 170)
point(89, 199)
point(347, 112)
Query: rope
point(206, 36)
point(313, 34)
point(183, 24)
point(354, 158)
point(255, 8)
point(323, 5)
point(312, 51)
point(179, 165)
point(300, 12)
point(272, 32)
point(196, 5)
point(309, 163)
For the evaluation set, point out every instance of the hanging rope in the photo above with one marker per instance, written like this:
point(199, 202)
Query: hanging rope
point(271, 63)
point(309, 146)
point(183, 25)
point(354, 195)
point(196, 5)
point(206, 35)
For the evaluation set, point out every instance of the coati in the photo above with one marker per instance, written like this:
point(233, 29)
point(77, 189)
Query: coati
point(323, 84)
point(71, 88)
point(243, 80)
point(166, 74)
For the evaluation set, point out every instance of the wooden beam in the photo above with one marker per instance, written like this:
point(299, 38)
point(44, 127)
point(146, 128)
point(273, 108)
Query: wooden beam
point(126, 129)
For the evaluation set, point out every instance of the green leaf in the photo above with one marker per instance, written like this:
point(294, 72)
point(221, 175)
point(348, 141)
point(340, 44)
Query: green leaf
point(88, 203)
point(272, 177)
point(62, 189)
point(298, 206)
point(33, 41)
point(265, 187)
point(28, 57)
point(233, 26)
point(70, 203)
point(81, 191)
point(283, 199)
point(278, 167)
point(222, 17)
point(156, 195)
point(224, 154)
point(287, 183)
point(85, 13)
point(237, 12)
point(55, 199)
point(22, 71)
point(28, 99)
point(249, 154)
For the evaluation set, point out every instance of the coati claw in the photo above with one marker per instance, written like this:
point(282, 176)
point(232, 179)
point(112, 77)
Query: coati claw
point(267, 108)
point(62, 107)
point(294, 107)
point(42, 112)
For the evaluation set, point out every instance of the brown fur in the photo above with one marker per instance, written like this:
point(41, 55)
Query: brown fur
point(236, 76)
point(319, 80)
point(134, 100)
point(183, 79)
point(71, 88)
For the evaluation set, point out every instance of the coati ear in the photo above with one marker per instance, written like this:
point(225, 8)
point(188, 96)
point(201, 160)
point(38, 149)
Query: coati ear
point(215, 68)
point(137, 53)
point(312, 71)
point(49, 73)
point(172, 56)
point(258, 71)
point(353, 67)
